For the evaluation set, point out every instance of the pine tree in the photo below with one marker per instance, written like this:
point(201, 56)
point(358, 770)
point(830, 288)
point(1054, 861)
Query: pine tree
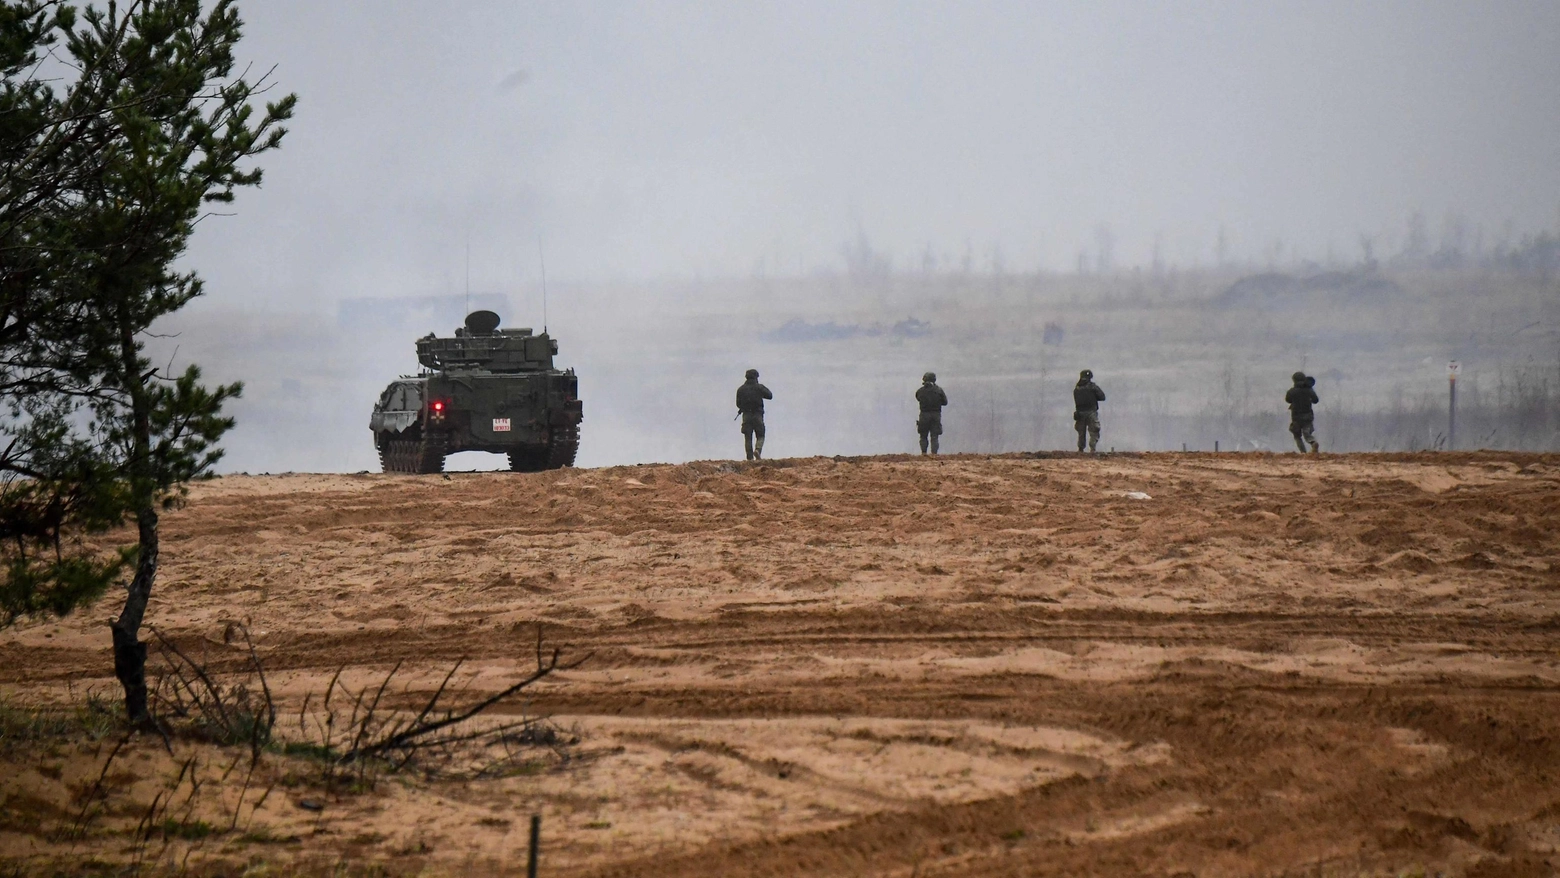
point(102, 190)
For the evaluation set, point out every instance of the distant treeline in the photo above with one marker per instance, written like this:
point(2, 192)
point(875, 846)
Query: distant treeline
point(1461, 246)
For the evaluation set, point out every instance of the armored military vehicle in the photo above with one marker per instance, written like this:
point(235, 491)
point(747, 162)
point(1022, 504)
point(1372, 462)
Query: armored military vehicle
point(486, 389)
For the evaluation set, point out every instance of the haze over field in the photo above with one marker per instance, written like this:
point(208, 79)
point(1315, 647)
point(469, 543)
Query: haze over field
point(1207, 654)
point(701, 175)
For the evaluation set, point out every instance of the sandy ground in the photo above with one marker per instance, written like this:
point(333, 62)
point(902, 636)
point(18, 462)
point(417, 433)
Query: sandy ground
point(891, 666)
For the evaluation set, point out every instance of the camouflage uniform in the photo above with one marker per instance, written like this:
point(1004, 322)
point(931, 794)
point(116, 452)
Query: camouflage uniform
point(1302, 418)
point(1087, 397)
point(750, 402)
point(932, 399)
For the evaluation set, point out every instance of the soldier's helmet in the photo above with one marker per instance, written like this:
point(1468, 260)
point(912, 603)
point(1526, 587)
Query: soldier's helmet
point(1298, 377)
point(752, 373)
point(1086, 375)
point(929, 378)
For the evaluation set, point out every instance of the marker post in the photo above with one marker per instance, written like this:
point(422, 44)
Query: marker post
point(1453, 369)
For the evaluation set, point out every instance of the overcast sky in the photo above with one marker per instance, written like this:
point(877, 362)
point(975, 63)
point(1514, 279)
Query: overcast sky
point(655, 140)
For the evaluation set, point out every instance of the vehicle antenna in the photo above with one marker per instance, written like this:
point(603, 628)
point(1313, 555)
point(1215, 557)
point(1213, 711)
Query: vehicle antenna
point(542, 255)
point(468, 271)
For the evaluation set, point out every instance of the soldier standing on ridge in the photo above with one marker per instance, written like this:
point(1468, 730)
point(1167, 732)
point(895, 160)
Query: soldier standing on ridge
point(932, 400)
point(1302, 419)
point(1087, 397)
point(750, 404)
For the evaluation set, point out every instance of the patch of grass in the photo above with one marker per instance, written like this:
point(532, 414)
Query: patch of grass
point(528, 768)
point(599, 824)
point(420, 847)
point(84, 867)
point(307, 750)
point(1014, 835)
point(22, 724)
point(24, 813)
point(345, 869)
point(244, 725)
point(357, 786)
point(188, 830)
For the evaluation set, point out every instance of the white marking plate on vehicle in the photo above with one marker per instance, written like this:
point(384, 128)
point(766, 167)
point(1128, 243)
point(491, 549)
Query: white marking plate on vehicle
point(500, 425)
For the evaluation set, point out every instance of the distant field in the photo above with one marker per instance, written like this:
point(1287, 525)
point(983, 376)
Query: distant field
point(1188, 358)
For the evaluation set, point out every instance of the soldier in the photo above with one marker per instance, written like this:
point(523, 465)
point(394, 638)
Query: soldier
point(1087, 397)
point(932, 400)
point(750, 405)
point(1302, 419)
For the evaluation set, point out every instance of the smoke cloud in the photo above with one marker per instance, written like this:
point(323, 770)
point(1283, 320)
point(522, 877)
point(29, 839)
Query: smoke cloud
point(701, 176)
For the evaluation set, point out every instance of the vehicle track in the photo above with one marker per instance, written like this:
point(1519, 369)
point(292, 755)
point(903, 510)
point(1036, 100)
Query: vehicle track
point(1334, 665)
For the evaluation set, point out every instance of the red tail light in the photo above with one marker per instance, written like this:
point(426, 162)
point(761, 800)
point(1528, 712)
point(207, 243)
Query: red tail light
point(438, 406)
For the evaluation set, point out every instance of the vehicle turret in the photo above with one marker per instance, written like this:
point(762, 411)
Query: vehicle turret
point(481, 345)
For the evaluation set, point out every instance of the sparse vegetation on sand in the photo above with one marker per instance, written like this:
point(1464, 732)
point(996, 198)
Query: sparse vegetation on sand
point(1145, 663)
